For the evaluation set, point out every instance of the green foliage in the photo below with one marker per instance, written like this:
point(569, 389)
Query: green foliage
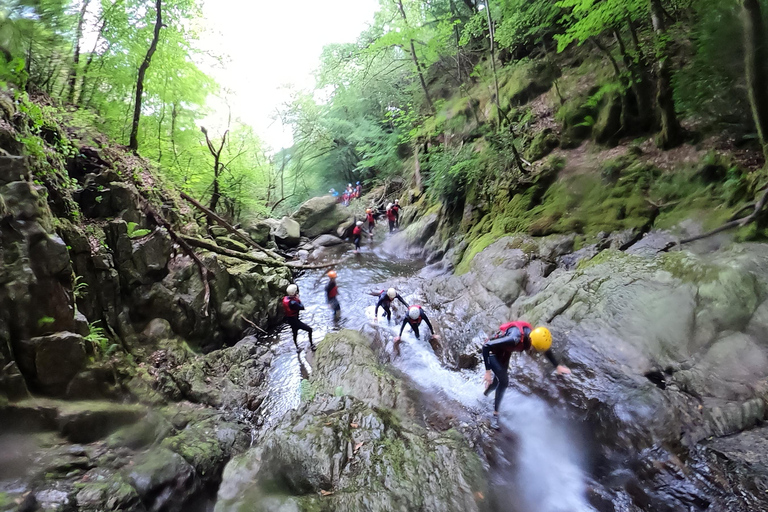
point(136, 233)
point(97, 336)
point(451, 172)
point(590, 18)
point(46, 320)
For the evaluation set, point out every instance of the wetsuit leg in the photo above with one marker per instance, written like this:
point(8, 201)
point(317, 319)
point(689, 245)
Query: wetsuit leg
point(294, 329)
point(357, 242)
point(500, 381)
point(415, 331)
point(334, 303)
point(387, 311)
point(391, 226)
point(304, 327)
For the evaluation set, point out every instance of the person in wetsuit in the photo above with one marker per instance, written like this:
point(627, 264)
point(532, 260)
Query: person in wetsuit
point(332, 294)
point(391, 217)
point(396, 210)
point(414, 318)
point(357, 234)
point(291, 307)
point(497, 351)
point(385, 302)
point(370, 219)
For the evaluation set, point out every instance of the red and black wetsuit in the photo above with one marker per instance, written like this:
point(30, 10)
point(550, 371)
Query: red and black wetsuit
point(512, 337)
point(331, 293)
point(416, 323)
point(356, 234)
point(291, 308)
point(396, 210)
point(371, 221)
point(392, 218)
point(385, 303)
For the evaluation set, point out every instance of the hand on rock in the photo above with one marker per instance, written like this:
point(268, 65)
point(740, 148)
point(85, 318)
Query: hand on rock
point(563, 370)
point(397, 339)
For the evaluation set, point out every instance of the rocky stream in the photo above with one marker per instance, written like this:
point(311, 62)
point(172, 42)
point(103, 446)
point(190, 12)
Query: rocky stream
point(664, 409)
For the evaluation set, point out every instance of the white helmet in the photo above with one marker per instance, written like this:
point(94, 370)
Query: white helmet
point(391, 293)
point(389, 206)
point(349, 184)
point(292, 290)
point(359, 223)
point(414, 312)
point(397, 201)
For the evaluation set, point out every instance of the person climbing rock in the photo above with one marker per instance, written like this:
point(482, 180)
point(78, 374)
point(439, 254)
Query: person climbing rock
point(513, 337)
point(414, 318)
point(385, 302)
point(396, 210)
point(291, 307)
point(370, 219)
point(357, 234)
point(332, 293)
point(391, 217)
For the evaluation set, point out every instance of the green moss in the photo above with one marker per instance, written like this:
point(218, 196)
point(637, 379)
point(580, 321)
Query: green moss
point(687, 269)
point(308, 390)
point(475, 247)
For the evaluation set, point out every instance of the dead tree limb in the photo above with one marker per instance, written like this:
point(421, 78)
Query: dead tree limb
point(752, 217)
point(229, 227)
point(205, 272)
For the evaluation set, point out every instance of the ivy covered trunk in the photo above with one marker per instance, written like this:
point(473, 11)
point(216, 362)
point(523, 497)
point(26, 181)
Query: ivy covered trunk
point(671, 133)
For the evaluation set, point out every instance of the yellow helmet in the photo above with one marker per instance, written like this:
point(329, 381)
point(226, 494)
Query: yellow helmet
point(541, 339)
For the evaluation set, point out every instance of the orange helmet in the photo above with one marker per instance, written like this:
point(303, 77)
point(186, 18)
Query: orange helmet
point(332, 274)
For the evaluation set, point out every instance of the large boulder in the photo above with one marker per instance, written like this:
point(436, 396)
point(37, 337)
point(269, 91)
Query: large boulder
point(320, 215)
point(346, 449)
point(260, 232)
point(288, 232)
point(51, 362)
point(327, 241)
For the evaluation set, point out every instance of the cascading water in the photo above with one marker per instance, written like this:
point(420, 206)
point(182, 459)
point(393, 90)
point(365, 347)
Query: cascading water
point(537, 467)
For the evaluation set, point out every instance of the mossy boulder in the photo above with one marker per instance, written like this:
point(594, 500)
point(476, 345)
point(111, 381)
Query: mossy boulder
point(346, 449)
point(542, 144)
point(320, 215)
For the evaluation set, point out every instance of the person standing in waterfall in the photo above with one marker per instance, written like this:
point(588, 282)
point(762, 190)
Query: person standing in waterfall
point(497, 351)
point(396, 210)
point(332, 293)
point(414, 318)
point(385, 302)
point(291, 307)
point(391, 217)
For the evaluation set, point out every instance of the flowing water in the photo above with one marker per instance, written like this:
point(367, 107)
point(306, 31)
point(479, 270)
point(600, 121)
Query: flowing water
point(537, 462)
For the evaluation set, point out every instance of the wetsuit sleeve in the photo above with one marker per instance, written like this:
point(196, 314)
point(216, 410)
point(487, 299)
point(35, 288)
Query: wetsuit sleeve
point(512, 339)
point(296, 306)
point(486, 356)
point(552, 359)
point(429, 324)
point(401, 300)
point(402, 326)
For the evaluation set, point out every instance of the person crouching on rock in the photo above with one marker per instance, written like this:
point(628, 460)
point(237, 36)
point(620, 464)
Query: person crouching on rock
point(357, 233)
point(332, 294)
point(391, 217)
point(513, 337)
point(291, 307)
point(414, 318)
point(370, 219)
point(385, 302)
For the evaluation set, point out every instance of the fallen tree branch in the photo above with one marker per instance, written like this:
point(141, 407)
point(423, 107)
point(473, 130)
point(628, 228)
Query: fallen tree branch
point(253, 324)
point(759, 206)
point(229, 227)
point(205, 272)
point(210, 246)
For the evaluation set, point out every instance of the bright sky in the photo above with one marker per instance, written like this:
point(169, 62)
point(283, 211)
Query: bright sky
point(272, 44)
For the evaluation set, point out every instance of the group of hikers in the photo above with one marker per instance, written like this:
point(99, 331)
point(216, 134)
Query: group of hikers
point(393, 218)
point(511, 337)
point(349, 193)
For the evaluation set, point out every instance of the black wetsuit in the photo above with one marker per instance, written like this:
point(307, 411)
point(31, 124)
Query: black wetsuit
point(496, 354)
point(331, 293)
point(291, 308)
point(415, 324)
point(396, 211)
point(385, 303)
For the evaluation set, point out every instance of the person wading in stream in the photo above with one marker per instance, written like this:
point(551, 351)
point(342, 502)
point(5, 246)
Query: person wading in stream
point(291, 307)
point(396, 211)
point(513, 337)
point(332, 294)
point(414, 318)
point(357, 234)
point(385, 302)
point(370, 219)
point(391, 217)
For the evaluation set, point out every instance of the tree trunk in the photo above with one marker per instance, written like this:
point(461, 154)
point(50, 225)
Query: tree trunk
point(134, 143)
point(76, 57)
point(755, 55)
point(671, 133)
point(624, 116)
point(416, 61)
point(417, 168)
